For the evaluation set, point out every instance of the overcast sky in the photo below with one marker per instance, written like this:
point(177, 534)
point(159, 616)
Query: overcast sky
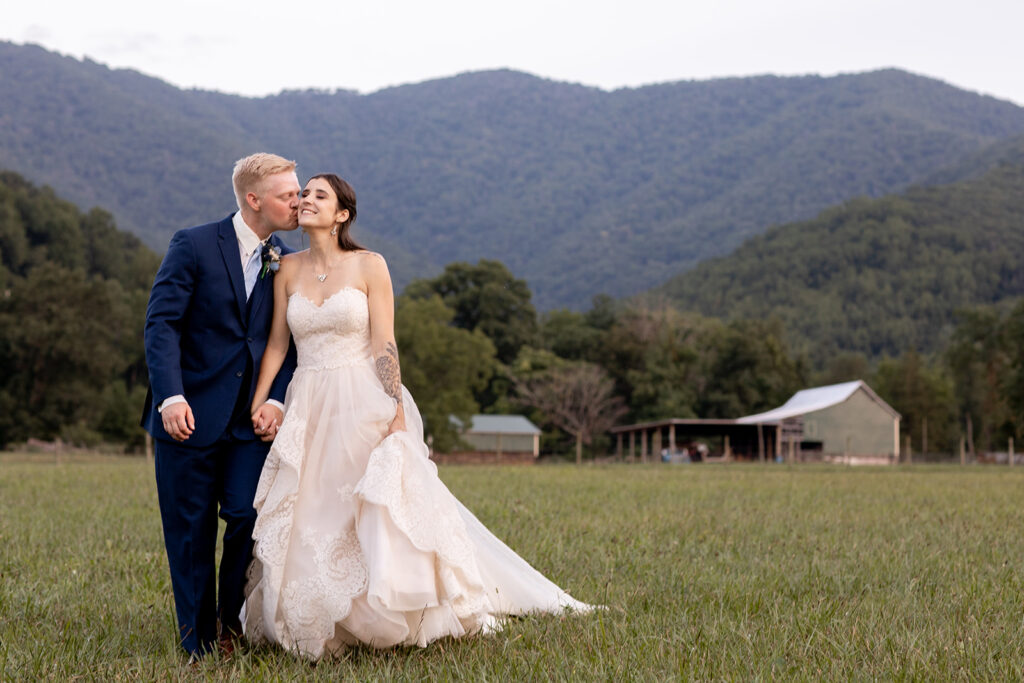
point(264, 46)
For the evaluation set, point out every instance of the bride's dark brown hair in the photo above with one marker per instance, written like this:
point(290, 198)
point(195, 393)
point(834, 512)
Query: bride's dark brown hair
point(346, 200)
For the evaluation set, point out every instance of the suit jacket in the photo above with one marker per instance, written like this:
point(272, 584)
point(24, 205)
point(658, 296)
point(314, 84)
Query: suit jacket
point(203, 339)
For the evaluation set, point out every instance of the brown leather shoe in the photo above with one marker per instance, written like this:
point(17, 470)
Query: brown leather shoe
point(226, 645)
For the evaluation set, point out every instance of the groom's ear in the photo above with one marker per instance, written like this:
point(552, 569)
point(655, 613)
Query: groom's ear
point(253, 200)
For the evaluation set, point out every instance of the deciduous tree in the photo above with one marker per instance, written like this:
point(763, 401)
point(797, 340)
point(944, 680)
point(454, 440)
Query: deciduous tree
point(442, 365)
point(485, 297)
point(578, 398)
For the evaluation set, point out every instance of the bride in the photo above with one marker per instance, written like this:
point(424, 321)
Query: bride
point(357, 540)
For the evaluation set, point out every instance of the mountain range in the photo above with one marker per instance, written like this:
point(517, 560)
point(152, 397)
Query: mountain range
point(878, 276)
point(578, 190)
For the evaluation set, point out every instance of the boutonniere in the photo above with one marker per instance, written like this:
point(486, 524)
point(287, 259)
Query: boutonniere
point(271, 257)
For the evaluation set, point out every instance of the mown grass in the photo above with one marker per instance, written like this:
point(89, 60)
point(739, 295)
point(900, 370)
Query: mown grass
point(708, 572)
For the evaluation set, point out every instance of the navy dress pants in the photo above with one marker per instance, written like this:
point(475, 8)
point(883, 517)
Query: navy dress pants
point(192, 483)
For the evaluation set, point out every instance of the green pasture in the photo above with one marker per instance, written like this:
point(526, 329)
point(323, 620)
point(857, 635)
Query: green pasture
point(733, 572)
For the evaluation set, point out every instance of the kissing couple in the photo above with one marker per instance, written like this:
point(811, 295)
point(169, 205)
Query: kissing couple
point(276, 403)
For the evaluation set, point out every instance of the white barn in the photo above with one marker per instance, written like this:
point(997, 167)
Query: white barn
point(846, 420)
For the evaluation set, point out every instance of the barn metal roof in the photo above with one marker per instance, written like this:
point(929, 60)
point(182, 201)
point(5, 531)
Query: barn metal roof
point(501, 424)
point(812, 400)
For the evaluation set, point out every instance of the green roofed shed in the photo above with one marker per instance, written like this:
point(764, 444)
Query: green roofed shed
point(496, 439)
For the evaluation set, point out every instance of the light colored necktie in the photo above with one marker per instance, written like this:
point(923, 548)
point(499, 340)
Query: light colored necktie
point(252, 269)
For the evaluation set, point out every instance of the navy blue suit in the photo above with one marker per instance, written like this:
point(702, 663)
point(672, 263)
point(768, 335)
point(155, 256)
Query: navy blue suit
point(205, 341)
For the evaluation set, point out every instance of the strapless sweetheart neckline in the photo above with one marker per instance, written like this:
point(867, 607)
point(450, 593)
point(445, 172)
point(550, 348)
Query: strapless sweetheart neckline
point(327, 298)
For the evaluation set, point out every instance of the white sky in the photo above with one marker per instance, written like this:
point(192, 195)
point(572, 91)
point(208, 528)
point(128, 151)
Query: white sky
point(263, 46)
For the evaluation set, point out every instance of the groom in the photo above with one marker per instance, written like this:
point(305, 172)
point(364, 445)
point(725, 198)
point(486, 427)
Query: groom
point(206, 328)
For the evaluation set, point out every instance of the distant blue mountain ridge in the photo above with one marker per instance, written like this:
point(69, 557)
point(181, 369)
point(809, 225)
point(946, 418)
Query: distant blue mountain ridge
point(578, 190)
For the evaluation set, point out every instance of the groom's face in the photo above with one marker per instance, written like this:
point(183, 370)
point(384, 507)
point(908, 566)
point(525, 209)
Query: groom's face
point(279, 204)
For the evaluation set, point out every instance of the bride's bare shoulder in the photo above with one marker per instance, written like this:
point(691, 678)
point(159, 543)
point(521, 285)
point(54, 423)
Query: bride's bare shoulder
point(374, 268)
point(367, 254)
point(371, 259)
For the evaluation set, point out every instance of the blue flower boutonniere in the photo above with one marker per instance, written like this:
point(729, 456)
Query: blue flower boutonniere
point(271, 257)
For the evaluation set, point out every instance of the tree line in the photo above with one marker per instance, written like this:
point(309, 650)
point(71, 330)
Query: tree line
point(73, 292)
point(578, 373)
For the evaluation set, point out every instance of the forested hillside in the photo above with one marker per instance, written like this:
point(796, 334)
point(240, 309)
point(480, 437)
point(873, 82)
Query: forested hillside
point(875, 276)
point(1006, 151)
point(578, 190)
point(73, 292)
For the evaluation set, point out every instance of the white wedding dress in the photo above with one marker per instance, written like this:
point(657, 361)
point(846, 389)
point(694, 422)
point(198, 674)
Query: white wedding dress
point(357, 540)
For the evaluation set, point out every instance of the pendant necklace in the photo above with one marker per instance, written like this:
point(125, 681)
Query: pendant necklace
point(323, 276)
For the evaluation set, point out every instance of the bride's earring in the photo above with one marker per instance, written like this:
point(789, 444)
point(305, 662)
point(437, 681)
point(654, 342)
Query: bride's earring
point(334, 231)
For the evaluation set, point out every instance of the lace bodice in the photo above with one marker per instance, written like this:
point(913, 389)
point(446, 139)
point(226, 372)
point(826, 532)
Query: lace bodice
point(333, 335)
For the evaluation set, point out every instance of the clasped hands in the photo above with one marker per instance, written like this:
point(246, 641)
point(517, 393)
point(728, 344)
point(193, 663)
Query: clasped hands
point(179, 422)
point(266, 420)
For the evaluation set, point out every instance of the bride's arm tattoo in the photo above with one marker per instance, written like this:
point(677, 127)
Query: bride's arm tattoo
point(388, 371)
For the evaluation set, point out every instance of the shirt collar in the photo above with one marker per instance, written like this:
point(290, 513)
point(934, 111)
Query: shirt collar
point(248, 240)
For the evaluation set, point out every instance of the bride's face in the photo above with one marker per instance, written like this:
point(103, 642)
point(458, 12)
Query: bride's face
point(318, 206)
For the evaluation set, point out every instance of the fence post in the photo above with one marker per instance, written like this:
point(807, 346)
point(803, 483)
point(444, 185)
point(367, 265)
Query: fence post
point(760, 441)
point(1009, 453)
point(906, 447)
point(963, 452)
point(970, 439)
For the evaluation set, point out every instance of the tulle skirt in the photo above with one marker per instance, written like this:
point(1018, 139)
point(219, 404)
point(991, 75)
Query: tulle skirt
point(357, 540)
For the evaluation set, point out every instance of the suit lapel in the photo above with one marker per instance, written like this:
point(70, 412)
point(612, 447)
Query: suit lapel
point(229, 250)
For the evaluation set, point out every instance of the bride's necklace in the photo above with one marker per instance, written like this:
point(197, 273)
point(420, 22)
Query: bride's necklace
point(320, 276)
point(323, 276)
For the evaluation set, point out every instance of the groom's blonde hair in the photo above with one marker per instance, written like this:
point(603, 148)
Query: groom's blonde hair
point(251, 171)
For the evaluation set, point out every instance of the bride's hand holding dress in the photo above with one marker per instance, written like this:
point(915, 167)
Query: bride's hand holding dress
point(380, 301)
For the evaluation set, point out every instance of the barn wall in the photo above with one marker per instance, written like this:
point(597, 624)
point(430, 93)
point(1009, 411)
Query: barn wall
point(509, 442)
point(483, 458)
point(869, 426)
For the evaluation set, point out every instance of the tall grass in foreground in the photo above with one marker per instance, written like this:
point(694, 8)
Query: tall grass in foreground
point(709, 572)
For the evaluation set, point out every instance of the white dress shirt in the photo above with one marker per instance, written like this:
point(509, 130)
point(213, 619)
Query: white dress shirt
point(248, 243)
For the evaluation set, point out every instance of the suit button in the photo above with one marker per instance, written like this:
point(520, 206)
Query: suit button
point(249, 340)
point(238, 374)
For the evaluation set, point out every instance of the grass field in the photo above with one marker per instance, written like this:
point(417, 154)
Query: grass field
point(709, 572)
